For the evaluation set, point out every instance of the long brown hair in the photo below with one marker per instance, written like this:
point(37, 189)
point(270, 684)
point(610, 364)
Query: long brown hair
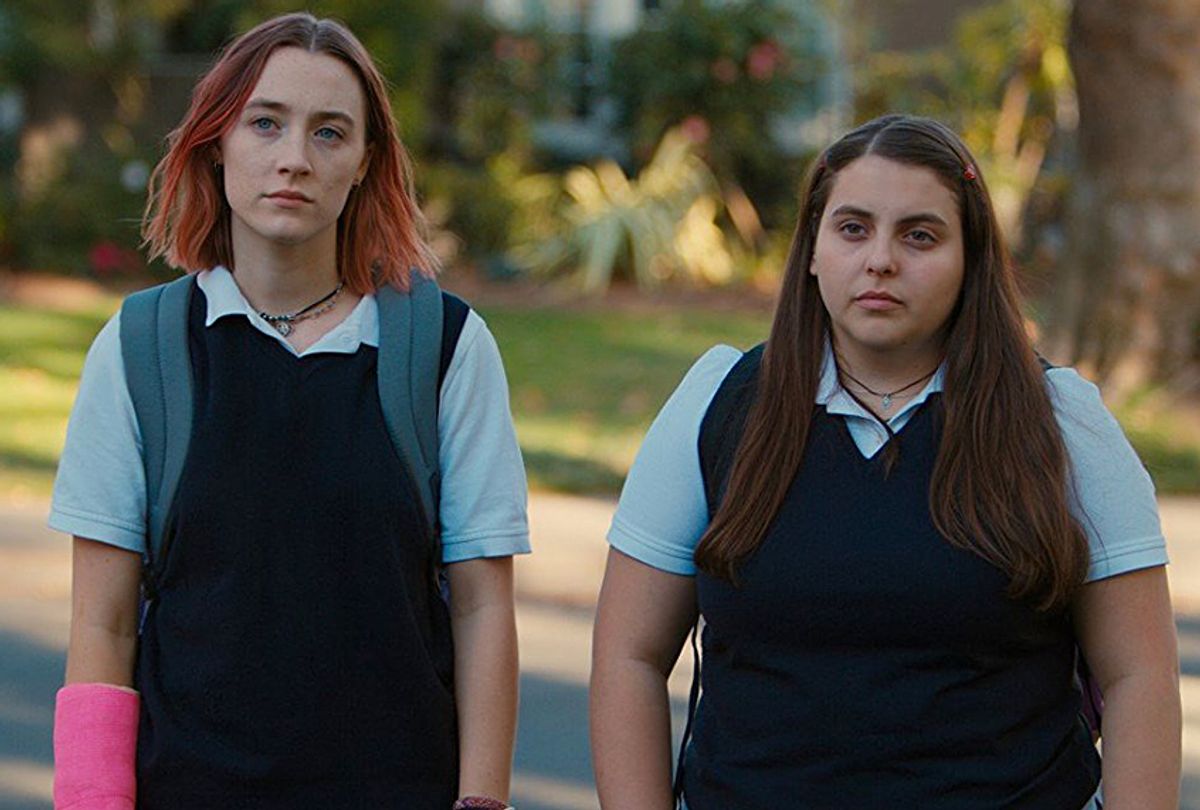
point(1000, 481)
point(381, 231)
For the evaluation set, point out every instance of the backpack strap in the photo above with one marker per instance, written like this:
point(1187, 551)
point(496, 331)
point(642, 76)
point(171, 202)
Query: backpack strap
point(154, 350)
point(418, 333)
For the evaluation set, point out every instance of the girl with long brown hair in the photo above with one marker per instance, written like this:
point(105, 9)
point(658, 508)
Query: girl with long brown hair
point(318, 628)
point(900, 528)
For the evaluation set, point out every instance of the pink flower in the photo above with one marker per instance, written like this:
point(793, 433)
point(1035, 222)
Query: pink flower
point(106, 258)
point(695, 128)
point(724, 70)
point(762, 60)
point(110, 259)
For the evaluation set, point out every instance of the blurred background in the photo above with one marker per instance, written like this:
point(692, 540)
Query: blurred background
point(613, 184)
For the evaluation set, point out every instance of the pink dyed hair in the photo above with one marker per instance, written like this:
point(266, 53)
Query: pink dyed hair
point(381, 231)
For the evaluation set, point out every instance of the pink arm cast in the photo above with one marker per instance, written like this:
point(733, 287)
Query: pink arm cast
point(95, 744)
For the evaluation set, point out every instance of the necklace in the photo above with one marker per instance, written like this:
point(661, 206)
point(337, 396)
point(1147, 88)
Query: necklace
point(283, 323)
point(885, 397)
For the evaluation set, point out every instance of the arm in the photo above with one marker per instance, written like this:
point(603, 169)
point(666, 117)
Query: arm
point(1127, 632)
point(96, 713)
point(485, 666)
point(643, 617)
point(104, 606)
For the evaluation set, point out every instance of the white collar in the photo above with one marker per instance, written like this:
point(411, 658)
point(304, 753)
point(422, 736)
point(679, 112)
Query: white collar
point(225, 298)
point(836, 401)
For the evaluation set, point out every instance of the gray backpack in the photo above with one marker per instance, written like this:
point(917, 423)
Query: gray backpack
point(418, 332)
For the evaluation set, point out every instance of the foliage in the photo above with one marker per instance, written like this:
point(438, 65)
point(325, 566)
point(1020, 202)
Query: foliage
point(488, 84)
point(471, 203)
point(659, 224)
point(86, 221)
point(88, 75)
point(1003, 82)
point(726, 68)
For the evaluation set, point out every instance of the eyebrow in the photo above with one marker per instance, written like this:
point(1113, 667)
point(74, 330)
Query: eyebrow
point(279, 106)
point(911, 219)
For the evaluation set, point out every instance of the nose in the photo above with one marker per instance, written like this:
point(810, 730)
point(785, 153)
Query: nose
point(293, 155)
point(881, 259)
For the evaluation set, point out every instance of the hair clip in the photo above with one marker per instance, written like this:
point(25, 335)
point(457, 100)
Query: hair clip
point(969, 172)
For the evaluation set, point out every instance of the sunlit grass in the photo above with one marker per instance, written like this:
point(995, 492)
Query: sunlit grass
point(41, 355)
point(585, 385)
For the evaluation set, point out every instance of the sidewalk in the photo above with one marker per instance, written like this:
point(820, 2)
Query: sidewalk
point(556, 588)
point(565, 569)
point(569, 549)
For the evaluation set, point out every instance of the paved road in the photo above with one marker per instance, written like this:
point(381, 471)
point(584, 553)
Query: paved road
point(556, 595)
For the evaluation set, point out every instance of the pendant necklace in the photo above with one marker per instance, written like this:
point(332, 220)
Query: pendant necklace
point(283, 323)
point(885, 397)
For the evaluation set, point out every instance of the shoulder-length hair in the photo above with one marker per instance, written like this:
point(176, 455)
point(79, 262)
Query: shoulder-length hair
point(381, 231)
point(1000, 481)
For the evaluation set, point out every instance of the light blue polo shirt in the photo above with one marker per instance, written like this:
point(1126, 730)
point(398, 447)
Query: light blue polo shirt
point(99, 492)
point(663, 511)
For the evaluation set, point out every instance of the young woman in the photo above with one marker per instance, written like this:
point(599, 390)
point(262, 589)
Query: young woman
point(298, 651)
point(897, 527)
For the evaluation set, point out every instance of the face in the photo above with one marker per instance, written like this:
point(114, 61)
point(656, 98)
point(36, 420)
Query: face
point(292, 155)
point(889, 261)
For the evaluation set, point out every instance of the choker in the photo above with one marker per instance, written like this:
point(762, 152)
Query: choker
point(283, 323)
point(885, 397)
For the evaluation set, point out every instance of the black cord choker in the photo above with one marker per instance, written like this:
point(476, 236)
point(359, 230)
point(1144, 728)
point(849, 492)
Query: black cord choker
point(885, 397)
point(283, 323)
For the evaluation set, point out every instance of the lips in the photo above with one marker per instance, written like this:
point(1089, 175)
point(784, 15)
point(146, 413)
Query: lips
point(877, 295)
point(288, 194)
point(878, 301)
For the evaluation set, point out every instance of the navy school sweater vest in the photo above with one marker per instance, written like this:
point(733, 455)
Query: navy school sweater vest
point(864, 662)
point(297, 653)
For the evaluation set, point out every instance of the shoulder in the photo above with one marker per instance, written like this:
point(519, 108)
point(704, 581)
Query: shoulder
point(1086, 423)
point(663, 510)
point(1112, 494)
point(1070, 390)
point(700, 384)
point(103, 363)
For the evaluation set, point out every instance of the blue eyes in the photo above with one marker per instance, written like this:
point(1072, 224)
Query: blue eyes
point(264, 125)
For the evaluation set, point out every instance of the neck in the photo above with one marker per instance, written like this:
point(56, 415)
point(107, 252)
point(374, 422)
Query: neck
point(887, 371)
point(283, 278)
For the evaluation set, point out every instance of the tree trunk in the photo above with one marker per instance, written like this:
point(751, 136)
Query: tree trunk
point(1128, 301)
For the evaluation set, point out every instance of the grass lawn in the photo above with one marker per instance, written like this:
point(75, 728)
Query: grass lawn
point(585, 383)
point(41, 354)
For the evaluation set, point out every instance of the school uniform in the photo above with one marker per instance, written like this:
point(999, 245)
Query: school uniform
point(296, 650)
point(863, 661)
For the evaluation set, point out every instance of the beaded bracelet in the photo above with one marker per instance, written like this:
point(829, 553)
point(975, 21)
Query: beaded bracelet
point(480, 803)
